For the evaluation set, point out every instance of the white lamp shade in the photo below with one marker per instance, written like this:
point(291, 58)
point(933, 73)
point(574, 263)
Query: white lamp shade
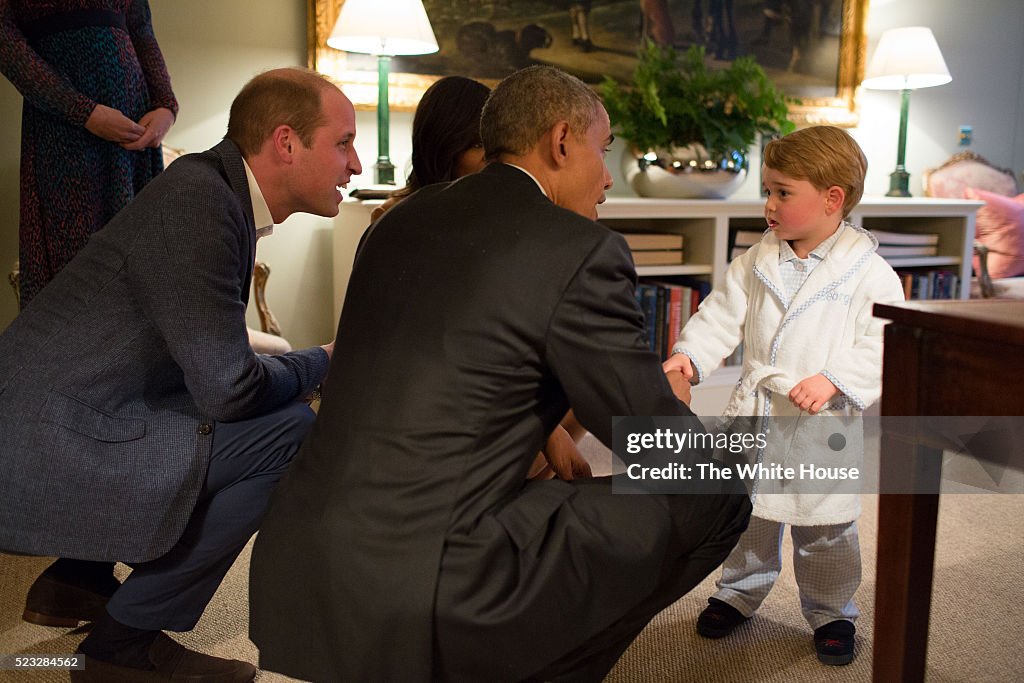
point(383, 27)
point(906, 58)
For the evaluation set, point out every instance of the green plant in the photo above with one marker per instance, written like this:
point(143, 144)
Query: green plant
point(674, 102)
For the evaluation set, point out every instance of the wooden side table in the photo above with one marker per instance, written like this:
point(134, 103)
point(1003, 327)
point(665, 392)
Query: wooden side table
point(942, 358)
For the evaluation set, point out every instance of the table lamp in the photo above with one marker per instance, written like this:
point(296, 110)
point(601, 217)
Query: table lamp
point(383, 28)
point(906, 59)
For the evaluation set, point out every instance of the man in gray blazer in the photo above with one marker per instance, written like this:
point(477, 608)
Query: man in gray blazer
point(405, 543)
point(138, 424)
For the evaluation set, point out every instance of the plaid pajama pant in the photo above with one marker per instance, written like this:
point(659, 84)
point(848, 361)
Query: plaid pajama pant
point(826, 561)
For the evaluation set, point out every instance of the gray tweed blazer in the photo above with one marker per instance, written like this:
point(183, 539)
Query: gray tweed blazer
point(112, 379)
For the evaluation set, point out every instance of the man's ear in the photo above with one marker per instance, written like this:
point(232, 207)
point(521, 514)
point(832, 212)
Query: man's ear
point(284, 140)
point(558, 141)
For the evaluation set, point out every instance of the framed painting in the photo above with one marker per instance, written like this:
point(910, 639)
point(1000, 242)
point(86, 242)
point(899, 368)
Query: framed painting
point(813, 50)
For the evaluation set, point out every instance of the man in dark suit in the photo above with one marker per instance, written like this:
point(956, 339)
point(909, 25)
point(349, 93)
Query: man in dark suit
point(138, 423)
point(405, 543)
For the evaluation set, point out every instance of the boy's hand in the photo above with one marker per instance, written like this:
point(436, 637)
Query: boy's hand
point(680, 362)
point(813, 393)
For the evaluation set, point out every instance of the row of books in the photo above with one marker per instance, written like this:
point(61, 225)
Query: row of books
point(930, 284)
point(655, 248)
point(667, 306)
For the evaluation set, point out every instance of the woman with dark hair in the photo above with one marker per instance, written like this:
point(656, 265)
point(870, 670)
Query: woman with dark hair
point(445, 136)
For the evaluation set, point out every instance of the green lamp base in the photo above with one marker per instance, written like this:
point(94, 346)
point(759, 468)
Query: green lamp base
point(384, 172)
point(899, 184)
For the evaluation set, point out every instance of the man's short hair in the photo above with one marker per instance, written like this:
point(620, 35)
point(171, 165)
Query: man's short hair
point(527, 104)
point(823, 156)
point(290, 96)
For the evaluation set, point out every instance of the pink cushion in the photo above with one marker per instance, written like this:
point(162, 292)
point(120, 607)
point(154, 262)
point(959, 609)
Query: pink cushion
point(1000, 227)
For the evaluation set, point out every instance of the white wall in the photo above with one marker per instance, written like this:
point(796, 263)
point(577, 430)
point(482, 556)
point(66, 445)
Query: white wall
point(209, 60)
point(981, 42)
point(213, 46)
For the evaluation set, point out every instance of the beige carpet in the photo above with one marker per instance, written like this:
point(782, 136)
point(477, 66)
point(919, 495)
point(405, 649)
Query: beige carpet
point(976, 632)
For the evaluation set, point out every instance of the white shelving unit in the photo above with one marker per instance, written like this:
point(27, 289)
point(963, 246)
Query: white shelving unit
point(705, 226)
point(350, 224)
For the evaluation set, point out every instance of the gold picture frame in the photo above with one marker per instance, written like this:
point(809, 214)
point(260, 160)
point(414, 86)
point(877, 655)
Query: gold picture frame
point(841, 109)
point(358, 76)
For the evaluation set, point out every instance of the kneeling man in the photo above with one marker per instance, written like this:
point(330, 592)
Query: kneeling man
point(138, 424)
point(405, 544)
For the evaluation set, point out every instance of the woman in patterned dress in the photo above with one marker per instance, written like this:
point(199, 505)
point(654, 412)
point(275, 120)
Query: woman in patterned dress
point(98, 102)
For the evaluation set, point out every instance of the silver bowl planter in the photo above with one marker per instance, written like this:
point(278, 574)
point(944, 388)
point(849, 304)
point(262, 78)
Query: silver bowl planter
point(684, 172)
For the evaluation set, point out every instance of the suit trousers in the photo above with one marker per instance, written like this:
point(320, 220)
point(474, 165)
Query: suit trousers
point(248, 459)
point(707, 527)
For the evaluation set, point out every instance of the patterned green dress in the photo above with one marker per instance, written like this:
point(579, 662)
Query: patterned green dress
point(65, 57)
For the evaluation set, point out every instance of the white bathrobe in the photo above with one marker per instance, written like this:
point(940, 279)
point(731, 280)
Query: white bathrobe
point(828, 328)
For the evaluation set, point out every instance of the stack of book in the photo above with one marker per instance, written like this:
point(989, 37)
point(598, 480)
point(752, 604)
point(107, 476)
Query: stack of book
point(666, 307)
point(906, 243)
point(743, 240)
point(655, 248)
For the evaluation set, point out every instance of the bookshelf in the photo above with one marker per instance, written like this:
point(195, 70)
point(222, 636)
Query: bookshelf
point(706, 224)
point(709, 228)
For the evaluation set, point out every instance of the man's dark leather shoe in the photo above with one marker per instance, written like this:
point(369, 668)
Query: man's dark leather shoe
point(172, 663)
point(53, 602)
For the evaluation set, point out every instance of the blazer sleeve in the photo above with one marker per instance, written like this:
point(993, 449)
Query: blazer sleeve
point(188, 276)
point(596, 348)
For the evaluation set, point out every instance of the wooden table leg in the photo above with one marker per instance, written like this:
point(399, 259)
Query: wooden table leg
point(906, 559)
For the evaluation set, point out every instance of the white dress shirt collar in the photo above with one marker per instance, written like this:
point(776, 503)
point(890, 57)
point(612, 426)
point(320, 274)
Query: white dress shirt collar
point(786, 252)
point(532, 177)
point(260, 211)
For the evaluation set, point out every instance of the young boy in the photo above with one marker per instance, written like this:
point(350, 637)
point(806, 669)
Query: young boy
point(800, 301)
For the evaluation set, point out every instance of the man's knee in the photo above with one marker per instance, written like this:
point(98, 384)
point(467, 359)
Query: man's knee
point(284, 430)
point(712, 517)
point(294, 422)
point(297, 418)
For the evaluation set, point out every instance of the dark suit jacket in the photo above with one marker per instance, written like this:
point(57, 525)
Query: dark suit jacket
point(112, 378)
point(477, 312)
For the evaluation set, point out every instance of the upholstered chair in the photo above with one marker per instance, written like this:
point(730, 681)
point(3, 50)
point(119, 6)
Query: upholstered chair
point(999, 233)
